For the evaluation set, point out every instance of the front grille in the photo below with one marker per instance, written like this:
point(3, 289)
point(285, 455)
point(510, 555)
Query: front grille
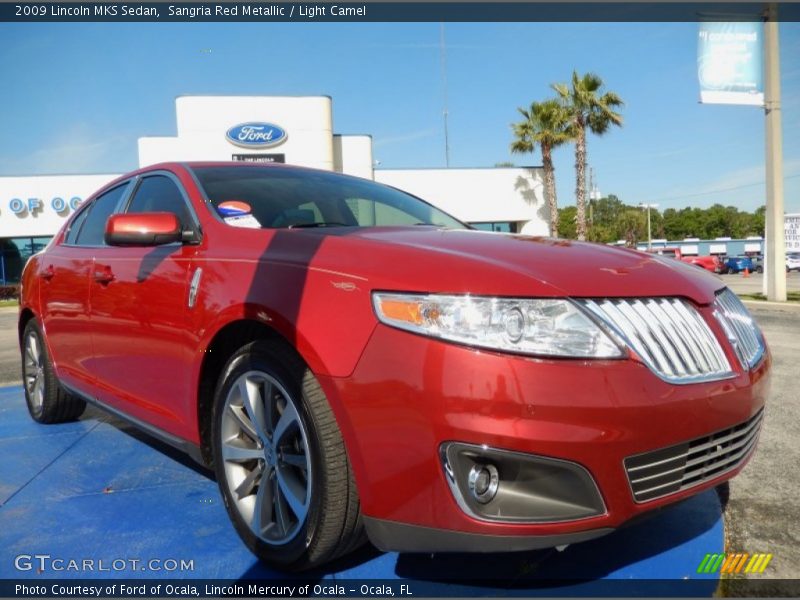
point(740, 328)
point(662, 472)
point(668, 334)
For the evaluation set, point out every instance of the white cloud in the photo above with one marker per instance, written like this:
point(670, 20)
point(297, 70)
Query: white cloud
point(74, 149)
point(404, 137)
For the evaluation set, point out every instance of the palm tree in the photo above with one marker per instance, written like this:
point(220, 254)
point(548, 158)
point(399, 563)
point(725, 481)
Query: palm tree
point(546, 124)
point(588, 108)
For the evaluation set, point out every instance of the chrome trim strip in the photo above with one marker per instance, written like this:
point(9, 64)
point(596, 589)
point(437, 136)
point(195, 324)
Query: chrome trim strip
point(698, 465)
point(198, 274)
point(668, 334)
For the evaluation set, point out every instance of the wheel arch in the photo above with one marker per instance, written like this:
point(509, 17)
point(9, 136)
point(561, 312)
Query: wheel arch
point(25, 315)
point(223, 343)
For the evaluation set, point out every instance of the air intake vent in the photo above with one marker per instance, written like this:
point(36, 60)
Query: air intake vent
point(669, 470)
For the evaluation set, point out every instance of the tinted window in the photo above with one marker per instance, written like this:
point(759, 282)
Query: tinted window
point(75, 226)
point(276, 197)
point(92, 232)
point(160, 194)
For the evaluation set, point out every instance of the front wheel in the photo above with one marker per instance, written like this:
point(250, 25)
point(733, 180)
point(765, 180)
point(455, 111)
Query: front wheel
point(47, 401)
point(280, 460)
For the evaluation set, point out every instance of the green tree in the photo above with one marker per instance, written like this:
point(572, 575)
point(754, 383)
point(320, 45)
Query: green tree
point(588, 108)
point(567, 222)
point(544, 124)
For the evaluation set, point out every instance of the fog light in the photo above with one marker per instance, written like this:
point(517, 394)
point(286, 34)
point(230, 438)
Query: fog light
point(483, 481)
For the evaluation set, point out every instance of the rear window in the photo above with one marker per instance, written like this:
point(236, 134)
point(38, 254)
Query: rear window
point(274, 197)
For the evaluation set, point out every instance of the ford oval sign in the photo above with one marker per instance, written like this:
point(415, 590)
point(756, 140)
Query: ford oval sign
point(256, 135)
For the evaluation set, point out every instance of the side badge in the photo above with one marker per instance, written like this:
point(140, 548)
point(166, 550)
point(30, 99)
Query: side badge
point(194, 285)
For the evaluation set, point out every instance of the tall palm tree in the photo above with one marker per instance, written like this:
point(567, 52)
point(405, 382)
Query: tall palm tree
point(590, 108)
point(546, 124)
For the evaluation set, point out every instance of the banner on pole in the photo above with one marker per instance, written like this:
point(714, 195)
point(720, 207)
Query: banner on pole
point(730, 63)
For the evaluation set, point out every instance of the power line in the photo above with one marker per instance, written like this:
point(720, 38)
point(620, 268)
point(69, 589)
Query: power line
point(719, 191)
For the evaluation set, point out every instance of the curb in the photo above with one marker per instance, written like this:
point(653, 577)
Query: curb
point(788, 306)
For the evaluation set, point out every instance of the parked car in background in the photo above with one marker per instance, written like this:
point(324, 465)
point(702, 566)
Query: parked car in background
point(709, 263)
point(758, 262)
point(737, 264)
point(355, 364)
point(792, 261)
point(670, 251)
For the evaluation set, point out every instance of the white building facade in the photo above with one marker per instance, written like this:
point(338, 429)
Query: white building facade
point(293, 130)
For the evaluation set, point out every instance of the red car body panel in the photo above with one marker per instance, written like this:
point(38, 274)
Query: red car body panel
point(132, 342)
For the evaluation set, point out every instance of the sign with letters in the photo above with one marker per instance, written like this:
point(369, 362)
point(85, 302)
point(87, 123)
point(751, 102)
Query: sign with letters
point(730, 63)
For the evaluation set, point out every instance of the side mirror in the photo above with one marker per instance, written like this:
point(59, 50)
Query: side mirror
point(143, 229)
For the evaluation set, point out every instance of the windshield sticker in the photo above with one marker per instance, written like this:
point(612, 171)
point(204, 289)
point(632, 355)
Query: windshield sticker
point(240, 220)
point(234, 208)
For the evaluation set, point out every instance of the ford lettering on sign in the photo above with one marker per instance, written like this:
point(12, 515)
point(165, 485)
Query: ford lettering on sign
point(256, 135)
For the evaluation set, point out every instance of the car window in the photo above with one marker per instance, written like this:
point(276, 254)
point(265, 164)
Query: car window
point(272, 197)
point(75, 226)
point(92, 231)
point(160, 194)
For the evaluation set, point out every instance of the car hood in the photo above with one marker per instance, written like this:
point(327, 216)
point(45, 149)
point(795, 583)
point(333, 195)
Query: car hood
point(428, 259)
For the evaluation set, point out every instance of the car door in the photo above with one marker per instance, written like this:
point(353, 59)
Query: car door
point(139, 295)
point(64, 291)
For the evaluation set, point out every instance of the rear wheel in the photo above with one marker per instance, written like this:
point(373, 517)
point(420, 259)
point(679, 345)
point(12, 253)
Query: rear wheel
point(280, 460)
point(47, 401)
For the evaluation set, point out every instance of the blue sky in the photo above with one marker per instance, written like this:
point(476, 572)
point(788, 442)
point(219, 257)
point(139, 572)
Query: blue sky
point(77, 96)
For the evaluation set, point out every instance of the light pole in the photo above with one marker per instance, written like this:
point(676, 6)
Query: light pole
point(775, 250)
point(649, 237)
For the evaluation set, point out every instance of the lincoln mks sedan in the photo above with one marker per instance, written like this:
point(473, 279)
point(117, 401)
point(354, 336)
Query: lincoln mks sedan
point(354, 364)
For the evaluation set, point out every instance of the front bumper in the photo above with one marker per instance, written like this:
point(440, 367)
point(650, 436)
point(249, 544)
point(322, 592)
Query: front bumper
point(410, 394)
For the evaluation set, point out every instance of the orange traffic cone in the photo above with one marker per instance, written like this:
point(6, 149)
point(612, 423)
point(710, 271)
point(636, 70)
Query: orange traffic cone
point(746, 272)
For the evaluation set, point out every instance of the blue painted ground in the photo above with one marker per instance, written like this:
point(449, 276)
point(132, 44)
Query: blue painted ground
point(99, 489)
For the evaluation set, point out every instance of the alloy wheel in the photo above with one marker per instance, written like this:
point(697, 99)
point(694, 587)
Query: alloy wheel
point(264, 447)
point(34, 371)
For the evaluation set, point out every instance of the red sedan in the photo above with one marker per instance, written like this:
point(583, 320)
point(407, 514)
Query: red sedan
point(352, 361)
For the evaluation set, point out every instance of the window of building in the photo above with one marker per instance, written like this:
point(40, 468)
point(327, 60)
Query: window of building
point(14, 253)
point(502, 226)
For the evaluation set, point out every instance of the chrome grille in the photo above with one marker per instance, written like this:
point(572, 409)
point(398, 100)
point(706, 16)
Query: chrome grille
point(662, 472)
point(668, 334)
point(740, 328)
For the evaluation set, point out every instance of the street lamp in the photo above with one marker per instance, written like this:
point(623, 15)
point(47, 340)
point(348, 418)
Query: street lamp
point(649, 237)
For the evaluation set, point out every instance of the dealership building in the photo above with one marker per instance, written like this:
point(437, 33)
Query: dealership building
point(294, 130)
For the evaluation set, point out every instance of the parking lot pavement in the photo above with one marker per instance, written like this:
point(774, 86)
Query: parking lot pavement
point(9, 347)
point(763, 513)
point(753, 283)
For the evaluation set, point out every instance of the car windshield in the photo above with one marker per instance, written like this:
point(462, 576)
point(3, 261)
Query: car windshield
point(276, 197)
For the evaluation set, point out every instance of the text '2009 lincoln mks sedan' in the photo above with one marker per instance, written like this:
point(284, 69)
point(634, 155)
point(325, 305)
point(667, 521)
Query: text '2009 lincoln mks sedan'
point(355, 364)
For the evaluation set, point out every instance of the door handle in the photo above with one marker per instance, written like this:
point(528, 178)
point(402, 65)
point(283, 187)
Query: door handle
point(103, 274)
point(47, 274)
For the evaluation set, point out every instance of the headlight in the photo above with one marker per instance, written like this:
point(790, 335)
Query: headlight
point(542, 327)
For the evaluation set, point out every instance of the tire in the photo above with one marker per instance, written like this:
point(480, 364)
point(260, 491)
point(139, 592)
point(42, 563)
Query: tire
point(271, 418)
point(47, 400)
point(759, 269)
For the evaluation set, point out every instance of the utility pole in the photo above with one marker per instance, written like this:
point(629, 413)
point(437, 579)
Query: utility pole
point(775, 255)
point(443, 57)
point(649, 235)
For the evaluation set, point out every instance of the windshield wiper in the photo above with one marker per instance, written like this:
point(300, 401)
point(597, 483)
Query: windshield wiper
point(319, 224)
